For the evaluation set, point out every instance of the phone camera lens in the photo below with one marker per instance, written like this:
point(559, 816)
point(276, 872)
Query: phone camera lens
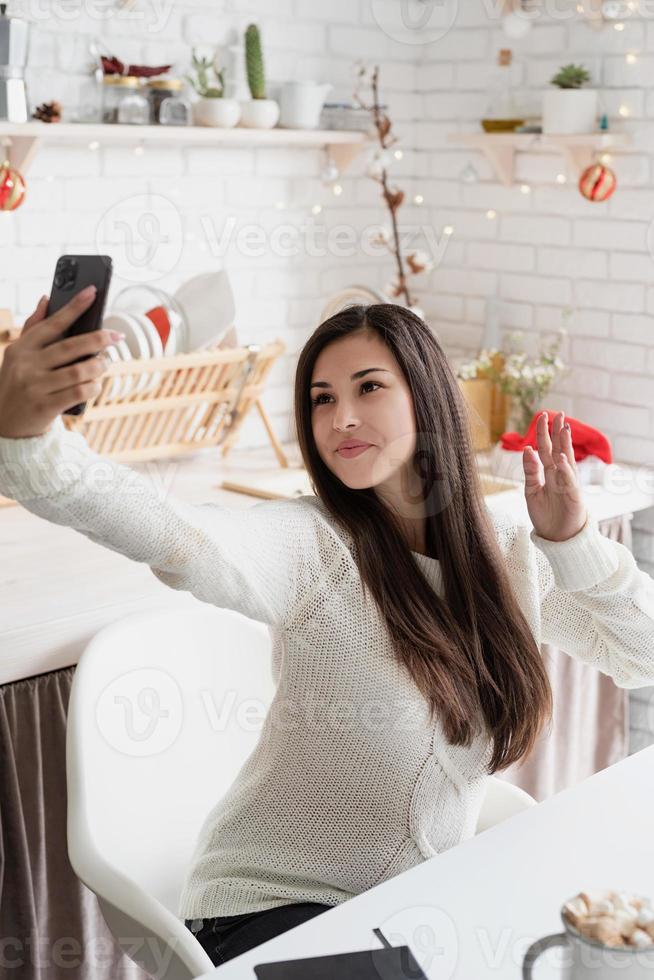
point(65, 274)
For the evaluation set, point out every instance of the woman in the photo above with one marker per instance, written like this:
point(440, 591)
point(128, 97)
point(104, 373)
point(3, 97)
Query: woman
point(406, 621)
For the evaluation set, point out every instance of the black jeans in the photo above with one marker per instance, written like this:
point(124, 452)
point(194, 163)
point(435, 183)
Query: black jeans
point(227, 936)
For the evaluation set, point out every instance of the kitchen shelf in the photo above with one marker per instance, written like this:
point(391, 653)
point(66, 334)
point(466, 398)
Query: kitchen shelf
point(25, 138)
point(577, 150)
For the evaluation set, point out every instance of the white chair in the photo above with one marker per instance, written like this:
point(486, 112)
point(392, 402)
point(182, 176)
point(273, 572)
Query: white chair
point(165, 707)
point(501, 801)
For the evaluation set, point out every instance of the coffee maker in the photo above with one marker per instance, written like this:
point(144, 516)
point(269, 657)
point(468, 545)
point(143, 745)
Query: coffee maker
point(14, 37)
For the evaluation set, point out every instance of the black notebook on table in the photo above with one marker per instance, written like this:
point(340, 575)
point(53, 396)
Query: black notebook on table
point(392, 963)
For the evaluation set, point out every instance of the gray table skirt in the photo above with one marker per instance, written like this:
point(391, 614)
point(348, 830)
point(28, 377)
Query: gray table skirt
point(51, 927)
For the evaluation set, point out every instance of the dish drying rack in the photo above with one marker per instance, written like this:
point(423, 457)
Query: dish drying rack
point(198, 401)
point(191, 401)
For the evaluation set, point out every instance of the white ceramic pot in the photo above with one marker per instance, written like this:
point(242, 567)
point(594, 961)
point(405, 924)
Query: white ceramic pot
point(224, 113)
point(301, 104)
point(570, 110)
point(259, 113)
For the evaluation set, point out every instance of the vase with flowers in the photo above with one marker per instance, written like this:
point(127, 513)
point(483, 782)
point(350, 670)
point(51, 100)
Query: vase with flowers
point(526, 380)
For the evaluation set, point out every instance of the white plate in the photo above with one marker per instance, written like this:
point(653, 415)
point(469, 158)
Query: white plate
point(175, 340)
point(135, 341)
point(155, 346)
point(122, 385)
point(116, 384)
point(207, 302)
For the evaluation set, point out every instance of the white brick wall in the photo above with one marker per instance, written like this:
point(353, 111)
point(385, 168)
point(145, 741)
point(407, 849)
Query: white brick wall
point(550, 248)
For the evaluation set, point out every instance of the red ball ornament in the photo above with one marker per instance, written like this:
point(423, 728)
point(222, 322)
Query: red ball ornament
point(12, 187)
point(597, 182)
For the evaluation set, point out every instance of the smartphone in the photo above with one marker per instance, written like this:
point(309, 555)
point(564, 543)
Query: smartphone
point(72, 274)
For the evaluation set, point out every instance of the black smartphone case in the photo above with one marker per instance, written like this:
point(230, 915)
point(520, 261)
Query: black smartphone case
point(89, 270)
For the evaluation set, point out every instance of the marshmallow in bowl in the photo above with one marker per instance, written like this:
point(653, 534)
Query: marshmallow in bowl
point(645, 916)
point(575, 909)
point(612, 918)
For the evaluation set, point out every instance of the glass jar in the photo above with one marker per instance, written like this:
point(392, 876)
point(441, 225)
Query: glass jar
point(88, 102)
point(503, 112)
point(168, 105)
point(123, 102)
point(175, 111)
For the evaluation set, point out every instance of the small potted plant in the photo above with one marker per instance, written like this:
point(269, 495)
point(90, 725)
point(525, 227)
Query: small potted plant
point(212, 108)
point(570, 108)
point(257, 112)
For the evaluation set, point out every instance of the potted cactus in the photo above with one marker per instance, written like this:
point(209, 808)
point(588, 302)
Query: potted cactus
point(569, 107)
point(258, 112)
point(212, 108)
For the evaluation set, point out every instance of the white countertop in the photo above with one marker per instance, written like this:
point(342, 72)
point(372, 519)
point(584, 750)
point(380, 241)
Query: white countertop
point(59, 588)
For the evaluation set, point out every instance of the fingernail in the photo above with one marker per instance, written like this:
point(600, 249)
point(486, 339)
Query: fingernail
point(115, 335)
point(89, 291)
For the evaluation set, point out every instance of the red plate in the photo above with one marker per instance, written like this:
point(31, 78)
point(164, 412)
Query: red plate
point(159, 317)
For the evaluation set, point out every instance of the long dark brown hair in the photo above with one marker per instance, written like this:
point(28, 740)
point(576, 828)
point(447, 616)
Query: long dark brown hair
point(471, 652)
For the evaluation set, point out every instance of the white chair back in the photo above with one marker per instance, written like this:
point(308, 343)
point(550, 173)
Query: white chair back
point(160, 721)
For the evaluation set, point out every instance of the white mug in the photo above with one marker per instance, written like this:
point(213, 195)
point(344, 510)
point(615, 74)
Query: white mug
point(587, 959)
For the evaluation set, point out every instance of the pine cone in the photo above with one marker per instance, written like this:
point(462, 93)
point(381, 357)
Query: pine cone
point(48, 112)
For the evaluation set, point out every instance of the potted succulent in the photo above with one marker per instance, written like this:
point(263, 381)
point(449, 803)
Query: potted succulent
point(212, 108)
point(570, 108)
point(257, 112)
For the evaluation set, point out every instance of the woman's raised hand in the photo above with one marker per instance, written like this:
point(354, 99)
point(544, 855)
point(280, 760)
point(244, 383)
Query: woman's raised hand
point(554, 500)
point(36, 384)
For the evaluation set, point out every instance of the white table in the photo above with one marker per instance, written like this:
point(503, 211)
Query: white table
point(471, 912)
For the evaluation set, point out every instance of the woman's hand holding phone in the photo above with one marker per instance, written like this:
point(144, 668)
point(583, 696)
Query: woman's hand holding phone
point(38, 380)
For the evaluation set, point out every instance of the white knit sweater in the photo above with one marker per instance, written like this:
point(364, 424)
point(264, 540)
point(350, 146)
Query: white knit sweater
point(365, 787)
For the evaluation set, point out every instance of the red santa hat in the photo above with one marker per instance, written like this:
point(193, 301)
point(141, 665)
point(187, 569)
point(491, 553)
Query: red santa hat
point(586, 441)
